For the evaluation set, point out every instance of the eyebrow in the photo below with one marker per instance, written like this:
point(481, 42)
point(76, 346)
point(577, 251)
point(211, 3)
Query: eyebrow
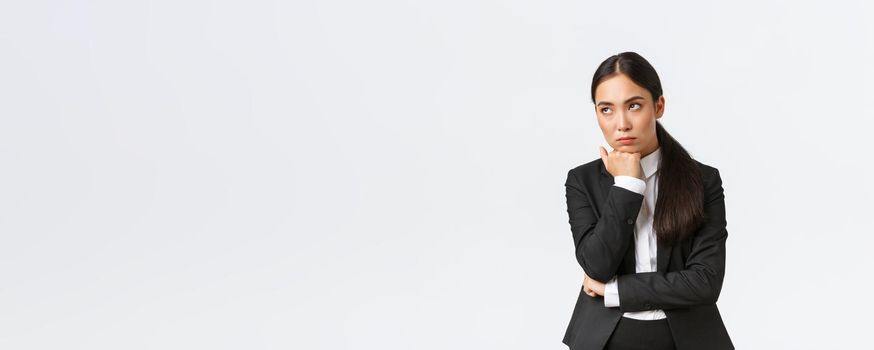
point(626, 101)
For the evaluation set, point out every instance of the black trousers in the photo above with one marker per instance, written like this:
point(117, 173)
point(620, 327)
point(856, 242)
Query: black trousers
point(632, 334)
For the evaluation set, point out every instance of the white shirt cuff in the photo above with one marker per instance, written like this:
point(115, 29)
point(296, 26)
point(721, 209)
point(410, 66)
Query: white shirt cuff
point(630, 183)
point(611, 293)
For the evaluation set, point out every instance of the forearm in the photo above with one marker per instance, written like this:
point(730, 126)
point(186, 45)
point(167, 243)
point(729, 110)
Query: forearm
point(601, 242)
point(676, 289)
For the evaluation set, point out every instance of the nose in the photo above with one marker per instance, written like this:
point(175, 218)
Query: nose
point(623, 123)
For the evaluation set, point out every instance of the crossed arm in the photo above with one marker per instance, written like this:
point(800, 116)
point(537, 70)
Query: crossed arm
point(601, 243)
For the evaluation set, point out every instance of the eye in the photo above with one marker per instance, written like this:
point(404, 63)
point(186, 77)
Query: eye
point(635, 103)
point(605, 109)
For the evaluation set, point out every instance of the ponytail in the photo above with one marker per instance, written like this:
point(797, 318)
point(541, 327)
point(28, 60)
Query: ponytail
point(679, 206)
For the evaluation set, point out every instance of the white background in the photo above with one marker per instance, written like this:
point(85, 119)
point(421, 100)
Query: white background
point(390, 174)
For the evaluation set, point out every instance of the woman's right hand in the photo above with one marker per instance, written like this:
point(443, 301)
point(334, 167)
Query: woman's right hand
point(622, 163)
point(591, 287)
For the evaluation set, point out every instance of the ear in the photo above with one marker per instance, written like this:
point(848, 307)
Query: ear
point(660, 107)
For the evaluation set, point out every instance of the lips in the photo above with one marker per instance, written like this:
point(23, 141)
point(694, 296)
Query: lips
point(626, 140)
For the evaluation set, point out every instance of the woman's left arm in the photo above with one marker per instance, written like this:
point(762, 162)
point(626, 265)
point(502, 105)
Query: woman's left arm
point(700, 282)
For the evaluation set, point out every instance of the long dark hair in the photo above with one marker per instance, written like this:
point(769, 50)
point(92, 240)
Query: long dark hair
point(680, 204)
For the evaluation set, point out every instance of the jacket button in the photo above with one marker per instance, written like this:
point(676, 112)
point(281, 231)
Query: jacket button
point(629, 221)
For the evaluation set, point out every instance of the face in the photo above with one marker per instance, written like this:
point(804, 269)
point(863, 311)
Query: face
point(625, 109)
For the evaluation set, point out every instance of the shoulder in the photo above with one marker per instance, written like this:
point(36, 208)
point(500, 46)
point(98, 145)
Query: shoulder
point(709, 173)
point(589, 170)
point(712, 180)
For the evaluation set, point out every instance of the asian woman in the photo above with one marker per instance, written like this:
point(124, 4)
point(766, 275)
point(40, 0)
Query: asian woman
point(648, 226)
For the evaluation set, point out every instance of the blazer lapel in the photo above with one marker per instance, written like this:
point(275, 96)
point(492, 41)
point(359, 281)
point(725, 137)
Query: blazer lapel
point(663, 253)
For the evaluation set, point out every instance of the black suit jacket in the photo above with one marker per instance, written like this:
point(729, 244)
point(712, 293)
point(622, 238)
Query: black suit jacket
point(688, 277)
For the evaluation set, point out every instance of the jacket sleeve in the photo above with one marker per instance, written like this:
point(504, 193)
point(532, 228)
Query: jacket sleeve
point(601, 241)
point(700, 282)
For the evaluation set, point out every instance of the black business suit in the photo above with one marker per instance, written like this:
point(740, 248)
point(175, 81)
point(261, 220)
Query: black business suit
point(688, 277)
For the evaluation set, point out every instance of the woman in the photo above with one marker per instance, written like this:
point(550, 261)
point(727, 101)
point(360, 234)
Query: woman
point(648, 224)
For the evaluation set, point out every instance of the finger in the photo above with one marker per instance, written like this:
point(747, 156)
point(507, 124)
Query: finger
point(603, 154)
